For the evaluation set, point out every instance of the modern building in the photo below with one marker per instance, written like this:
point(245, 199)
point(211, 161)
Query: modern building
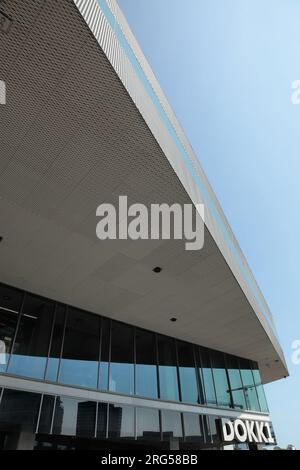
point(97, 349)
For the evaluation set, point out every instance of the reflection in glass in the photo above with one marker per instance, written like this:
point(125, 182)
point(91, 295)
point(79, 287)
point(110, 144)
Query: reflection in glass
point(121, 373)
point(102, 420)
point(187, 373)
point(10, 304)
point(79, 364)
point(168, 380)
point(46, 414)
point(148, 427)
point(259, 388)
point(19, 410)
point(104, 361)
point(56, 344)
point(248, 384)
point(208, 380)
point(213, 429)
point(146, 369)
point(120, 422)
point(235, 380)
point(74, 417)
point(30, 350)
point(262, 399)
point(192, 430)
point(171, 424)
point(220, 379)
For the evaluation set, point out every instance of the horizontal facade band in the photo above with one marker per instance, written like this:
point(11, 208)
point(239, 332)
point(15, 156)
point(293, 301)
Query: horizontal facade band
point(108, 397)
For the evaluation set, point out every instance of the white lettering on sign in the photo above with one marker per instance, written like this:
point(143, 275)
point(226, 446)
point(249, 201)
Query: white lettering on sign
point(246, 431)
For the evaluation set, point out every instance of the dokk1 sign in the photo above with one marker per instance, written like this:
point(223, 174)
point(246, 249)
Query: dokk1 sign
point(246, 431)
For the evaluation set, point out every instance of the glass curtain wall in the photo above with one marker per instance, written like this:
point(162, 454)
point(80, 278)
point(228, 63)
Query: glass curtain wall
point(45, 340)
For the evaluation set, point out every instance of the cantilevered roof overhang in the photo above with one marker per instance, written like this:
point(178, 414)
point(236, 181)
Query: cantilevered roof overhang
point(85, 122)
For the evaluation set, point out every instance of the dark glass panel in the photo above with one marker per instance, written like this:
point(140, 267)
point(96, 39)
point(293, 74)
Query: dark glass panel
point(86, 419)
point(199, 372)
point(146, 368)
point(214, 430)
point(104, 362)
point(192, 430)
point(19, 411)
point(120, 422)
point(220, 379)
point(79, 364)
point(248, 384)
point(236, 384)
point(10, 298)
point(30, 350)
point(102, 420)
point(74, 417)
point(46, 414)
point(148, 427)
point(187, 373)
point(56, 344)
point(168, 380)
point(208, 381)
point(121, 370)
point(171, 424)
point(10, 304)
point(206, 429)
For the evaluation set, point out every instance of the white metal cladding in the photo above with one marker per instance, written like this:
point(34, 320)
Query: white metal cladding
point(116, 55)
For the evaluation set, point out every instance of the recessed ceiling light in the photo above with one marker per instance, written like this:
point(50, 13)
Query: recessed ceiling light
point(157, 269)
point(173, 319)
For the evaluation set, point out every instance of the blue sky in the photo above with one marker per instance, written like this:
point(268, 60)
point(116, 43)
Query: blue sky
point(227, 68)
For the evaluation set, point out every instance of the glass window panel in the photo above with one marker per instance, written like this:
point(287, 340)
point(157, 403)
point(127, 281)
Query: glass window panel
point(56, 344)
point(205, 429)
point(10, 304)
point(46, 414)
point(256, 373)
point(259, 388)
point(104, 363)
point(213, 427)
point(86, 419)
point(248, 384)
point(148, 427)
point(207, 377)
point(146, 369)
point(120, 422)
point(236, 384)
point(201, 393)
point(102, 420)
point(74, 417)
point(192, 430)
point(187, 373)
point(10, 298)
point(220, 379)
point(171, 424)
point(79, 364)
point(262, 398)
point(19, 411)
point(30, 350)
point(121, 371)
point(168, 380)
